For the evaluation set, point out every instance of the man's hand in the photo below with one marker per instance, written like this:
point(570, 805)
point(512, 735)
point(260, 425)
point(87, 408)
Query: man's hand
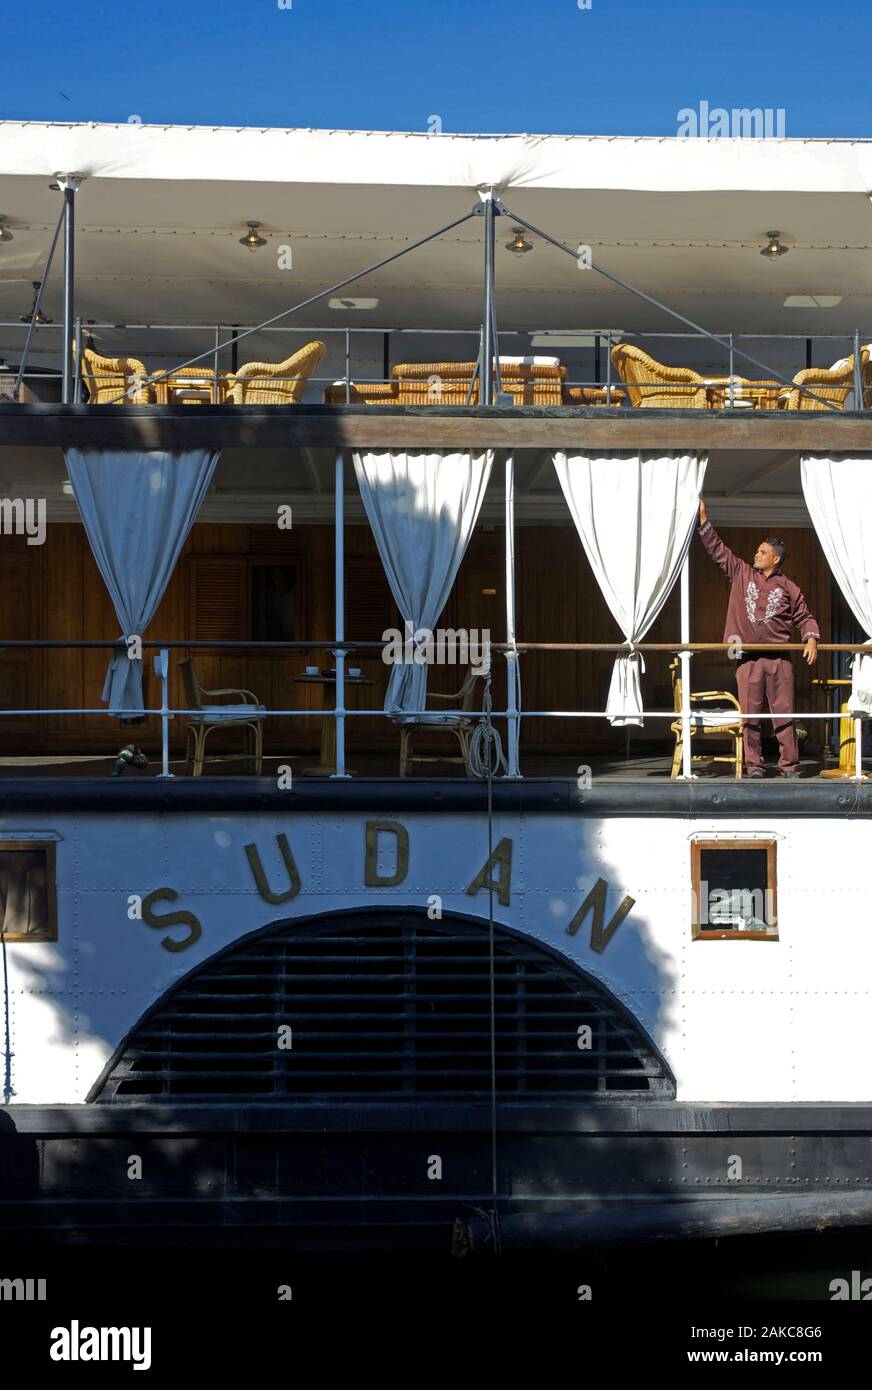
point(810, 652)
point(702, 513)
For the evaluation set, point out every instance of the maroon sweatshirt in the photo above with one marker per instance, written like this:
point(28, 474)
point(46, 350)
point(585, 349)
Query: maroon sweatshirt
point(759, 609)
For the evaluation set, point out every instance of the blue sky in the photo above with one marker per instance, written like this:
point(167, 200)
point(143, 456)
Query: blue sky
point(620, 67)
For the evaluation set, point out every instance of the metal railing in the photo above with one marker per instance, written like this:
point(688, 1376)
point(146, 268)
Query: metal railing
point(513, 713)
point(597, 345)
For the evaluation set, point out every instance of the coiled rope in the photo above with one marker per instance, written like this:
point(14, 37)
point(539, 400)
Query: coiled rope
point(486, 757)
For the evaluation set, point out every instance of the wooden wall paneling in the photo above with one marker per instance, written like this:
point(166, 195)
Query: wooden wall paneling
point(218, 609)
point(275, 674)
point(370, 611)
point(169, 625)
point(99, 623)
point(56, 591)
point(21, 576)
point(305, 734)
point(61, 600)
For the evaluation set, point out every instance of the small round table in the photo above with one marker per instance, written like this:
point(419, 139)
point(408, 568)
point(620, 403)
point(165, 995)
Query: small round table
point(327, 766)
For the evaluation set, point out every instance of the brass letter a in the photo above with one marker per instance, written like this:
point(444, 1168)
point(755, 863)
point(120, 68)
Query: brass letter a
point(502, 855)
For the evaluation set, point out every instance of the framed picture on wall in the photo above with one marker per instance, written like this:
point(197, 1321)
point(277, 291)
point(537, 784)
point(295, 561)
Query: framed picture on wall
point(28, 891)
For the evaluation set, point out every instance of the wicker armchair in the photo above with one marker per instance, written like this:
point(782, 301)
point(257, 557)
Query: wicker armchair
point(711, 723)
point(651, 383)
point(459, 721)
point(831, 384)
point(276, 383)
point(115, 380)
point(204, 718)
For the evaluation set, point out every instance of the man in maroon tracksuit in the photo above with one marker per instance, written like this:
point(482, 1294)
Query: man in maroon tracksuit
point(763, 606)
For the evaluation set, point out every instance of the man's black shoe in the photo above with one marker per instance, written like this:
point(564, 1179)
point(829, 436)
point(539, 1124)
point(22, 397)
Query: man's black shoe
point(757, 772)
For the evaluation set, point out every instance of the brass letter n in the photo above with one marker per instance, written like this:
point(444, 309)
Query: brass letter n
point(596, 902)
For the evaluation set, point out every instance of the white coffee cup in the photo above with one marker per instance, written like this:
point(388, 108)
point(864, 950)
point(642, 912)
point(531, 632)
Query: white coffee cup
point(311, 670)
point(354, 672)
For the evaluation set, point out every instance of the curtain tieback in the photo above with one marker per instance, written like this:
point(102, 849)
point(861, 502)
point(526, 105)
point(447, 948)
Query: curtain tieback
point(634, 655)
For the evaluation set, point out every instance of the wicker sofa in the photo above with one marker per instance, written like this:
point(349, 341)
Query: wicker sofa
point(529, 381)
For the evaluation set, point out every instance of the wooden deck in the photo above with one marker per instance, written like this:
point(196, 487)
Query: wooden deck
point(498, 427)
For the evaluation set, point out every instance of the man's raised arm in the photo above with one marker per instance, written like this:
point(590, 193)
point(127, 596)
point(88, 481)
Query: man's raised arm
point(720, 553)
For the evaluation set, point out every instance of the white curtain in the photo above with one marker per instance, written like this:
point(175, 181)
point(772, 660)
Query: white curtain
point(137, 509)
point(635, 515)
point(838, 494)
point(422, 508)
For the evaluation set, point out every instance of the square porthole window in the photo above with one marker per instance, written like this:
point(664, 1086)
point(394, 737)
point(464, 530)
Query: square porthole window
point(28, 895)
point(734, 890)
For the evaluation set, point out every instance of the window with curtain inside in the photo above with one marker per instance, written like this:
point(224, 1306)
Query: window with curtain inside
point(27, 891)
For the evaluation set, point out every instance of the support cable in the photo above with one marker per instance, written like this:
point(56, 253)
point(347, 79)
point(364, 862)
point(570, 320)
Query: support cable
point(37, 305)
point(7, 1028)
point(304, 304)
point(489, 756)
point(657, 304)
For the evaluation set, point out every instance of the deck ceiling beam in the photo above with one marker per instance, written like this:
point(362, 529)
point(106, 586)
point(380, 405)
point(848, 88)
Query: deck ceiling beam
point(368, 427)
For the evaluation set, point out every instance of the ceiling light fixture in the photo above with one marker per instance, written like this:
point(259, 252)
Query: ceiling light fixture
point(5, 234)
point(251, 238)
point(352, 304)
point(518, 245)
point(812, 301)
point(774, 248)
point(41, 317)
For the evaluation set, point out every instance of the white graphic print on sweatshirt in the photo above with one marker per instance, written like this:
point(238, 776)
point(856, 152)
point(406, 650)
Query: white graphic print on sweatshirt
point(751, 594)
point(773, 602)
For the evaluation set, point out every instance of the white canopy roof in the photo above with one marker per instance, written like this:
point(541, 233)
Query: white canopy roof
point(161, 211)
point(390, 158)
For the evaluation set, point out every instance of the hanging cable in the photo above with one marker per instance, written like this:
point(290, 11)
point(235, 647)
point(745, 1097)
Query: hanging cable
point(489, 753)
point(7, 1028)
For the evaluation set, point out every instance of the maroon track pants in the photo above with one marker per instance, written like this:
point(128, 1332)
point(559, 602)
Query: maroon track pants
point(767, 680)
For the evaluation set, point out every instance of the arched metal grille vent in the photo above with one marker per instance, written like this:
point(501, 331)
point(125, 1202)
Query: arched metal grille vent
point(384, 1007)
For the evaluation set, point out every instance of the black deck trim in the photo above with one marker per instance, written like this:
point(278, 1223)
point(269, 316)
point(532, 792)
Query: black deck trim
point(328, 1177)
point(533, 796)
point(663, 1117)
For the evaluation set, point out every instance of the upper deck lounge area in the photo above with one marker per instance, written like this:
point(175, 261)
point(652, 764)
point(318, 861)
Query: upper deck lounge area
point(509, 300)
